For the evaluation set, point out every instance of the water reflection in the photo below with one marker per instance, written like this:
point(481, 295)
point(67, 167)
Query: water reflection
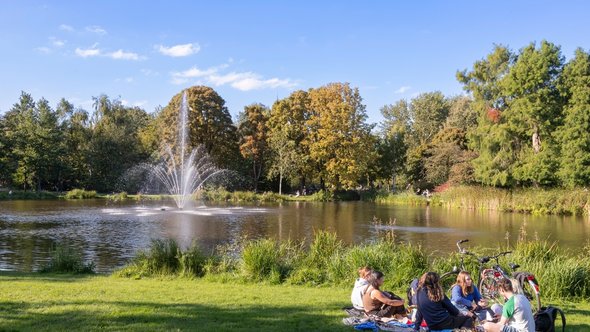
point(110, 234)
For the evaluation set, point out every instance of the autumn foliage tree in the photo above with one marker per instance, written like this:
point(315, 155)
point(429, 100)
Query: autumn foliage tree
point(252, 129)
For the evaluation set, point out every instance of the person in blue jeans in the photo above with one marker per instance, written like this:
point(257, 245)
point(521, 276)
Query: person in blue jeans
point(466, 297)
point(435, 307)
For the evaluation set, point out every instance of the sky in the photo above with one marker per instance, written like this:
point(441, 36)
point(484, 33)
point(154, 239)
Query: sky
point(145, 52)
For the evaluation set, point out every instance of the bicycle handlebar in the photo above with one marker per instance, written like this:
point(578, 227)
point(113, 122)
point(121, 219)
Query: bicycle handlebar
point(483, 259)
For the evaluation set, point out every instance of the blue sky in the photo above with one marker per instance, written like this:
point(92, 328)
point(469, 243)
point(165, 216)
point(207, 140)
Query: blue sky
point(144, 52)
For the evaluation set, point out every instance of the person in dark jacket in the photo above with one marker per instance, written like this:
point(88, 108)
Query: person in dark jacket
point(436, 308)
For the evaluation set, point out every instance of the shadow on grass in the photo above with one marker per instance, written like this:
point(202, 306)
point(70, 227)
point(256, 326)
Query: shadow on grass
point(146, 316)
point(45, 277)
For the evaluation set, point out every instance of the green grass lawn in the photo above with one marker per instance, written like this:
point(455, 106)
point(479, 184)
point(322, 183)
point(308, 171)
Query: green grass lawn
point(38, 302)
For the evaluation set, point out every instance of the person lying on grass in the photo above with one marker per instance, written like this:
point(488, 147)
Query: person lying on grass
point(379, 303)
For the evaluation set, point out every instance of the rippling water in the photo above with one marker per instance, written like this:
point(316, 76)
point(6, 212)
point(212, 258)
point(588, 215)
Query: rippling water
point(110, 234)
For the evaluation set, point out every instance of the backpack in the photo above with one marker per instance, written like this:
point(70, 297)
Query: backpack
point(412, 293)
point(545, 319)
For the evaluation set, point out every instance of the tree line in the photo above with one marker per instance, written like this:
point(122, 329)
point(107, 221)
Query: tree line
point(524, 121)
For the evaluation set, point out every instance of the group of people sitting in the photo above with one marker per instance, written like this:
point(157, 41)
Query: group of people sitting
point(437, 310)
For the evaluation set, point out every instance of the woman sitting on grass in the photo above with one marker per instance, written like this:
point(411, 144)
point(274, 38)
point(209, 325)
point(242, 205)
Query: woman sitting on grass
point(379, 303)
point(466, 297)
point(435, 307)
point(360, 287)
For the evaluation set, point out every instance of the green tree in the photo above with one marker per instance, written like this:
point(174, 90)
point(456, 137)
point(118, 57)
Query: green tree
point(393, 145)
point(287, 135)
point(76, 135)
point(340, 142)
point(209, 122)
point(22, 122)
point(462, 114)
point(533, 112)
point(490, 140)
point(252, 130)
point(574, 134)
point(114, 144)
point(48, 141)
point(429, 112)
point(448, 158)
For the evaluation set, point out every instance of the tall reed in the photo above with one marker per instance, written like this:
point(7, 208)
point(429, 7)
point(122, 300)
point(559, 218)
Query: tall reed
point(65, 259)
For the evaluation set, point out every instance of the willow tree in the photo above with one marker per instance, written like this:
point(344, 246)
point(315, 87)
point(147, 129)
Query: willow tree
point(209, 123)
point(340, 142)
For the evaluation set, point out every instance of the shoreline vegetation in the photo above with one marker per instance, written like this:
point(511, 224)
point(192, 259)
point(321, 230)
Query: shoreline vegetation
point(526, 200)
point(163, 287)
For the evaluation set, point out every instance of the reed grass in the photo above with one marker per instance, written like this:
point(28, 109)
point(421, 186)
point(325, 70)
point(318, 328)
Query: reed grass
point(65, 259)
point(327, 261)
point(537, 201)
point(80, 194)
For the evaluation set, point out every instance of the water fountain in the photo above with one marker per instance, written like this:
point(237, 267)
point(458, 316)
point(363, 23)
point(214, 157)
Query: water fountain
point(181, 173)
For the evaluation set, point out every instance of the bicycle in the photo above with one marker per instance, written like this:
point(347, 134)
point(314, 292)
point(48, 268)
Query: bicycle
point(488, 278)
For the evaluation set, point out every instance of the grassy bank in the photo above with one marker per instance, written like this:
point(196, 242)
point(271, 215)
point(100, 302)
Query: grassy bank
point(39, 302)
point(529, 200)
point(326, 261)
point(21, 194)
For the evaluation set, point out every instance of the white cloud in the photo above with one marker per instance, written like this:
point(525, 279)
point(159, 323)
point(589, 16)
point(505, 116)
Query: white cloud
point(122, 55)
point(244, 81)
point(149, 72)
point(57, 42)
point(96, 29)
point(93, 51)
point(179, 50)
point(117, 55)
point(402, 89)
point(126, 80)
point(43, 49)
point(195, 72)
point(66, 27)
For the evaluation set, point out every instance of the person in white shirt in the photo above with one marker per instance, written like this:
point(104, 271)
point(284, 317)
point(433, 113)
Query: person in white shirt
point(517, 315)
point(360, 287)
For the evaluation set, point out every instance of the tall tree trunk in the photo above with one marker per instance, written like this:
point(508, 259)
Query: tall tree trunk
point(280, 182)
point(536, 140)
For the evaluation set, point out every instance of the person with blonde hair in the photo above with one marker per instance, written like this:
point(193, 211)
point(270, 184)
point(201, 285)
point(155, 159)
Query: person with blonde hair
point(435, 307)
point(360, 287)
point(466, 297)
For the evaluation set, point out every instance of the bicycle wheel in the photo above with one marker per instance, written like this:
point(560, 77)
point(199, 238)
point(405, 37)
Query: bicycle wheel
point(488, 287)
point(447, 279)
point(530, 288)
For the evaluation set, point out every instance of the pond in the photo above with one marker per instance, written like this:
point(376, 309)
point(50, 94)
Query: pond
point(110, 233)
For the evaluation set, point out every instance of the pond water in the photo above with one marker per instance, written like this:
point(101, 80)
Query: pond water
point(110, 233)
